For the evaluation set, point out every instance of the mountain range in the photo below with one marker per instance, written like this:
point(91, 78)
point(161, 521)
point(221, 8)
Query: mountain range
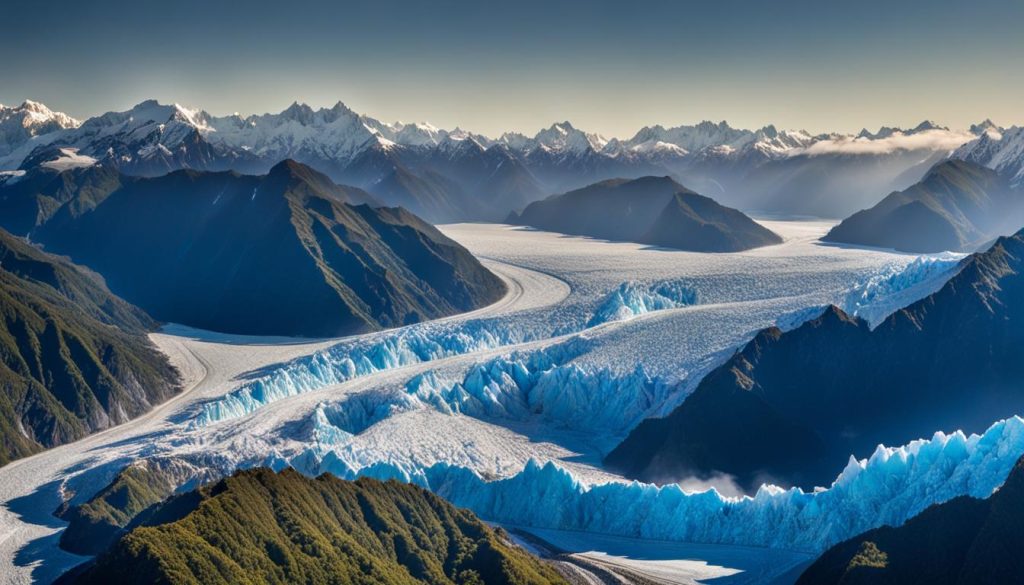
point(791, 407)
point(454, 175)
point(650, 210)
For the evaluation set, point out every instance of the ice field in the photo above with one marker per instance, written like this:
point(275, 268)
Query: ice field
point(508, 410)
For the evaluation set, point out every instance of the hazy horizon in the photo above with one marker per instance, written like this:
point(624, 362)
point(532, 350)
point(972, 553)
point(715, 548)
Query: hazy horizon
point(489, 69)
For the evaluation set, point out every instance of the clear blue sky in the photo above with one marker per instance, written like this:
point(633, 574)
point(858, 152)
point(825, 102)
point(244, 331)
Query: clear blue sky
point(609, 67)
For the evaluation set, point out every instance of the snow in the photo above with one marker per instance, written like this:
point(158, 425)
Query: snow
point(898, 285)
point(632, 299)
point(1002, 152)
point(69, 159)
point(592, 337)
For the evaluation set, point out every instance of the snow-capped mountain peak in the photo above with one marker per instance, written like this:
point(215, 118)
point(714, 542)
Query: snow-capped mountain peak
point(1001, 150)
point(21, 124)
point(986, 126)
point(563, 137)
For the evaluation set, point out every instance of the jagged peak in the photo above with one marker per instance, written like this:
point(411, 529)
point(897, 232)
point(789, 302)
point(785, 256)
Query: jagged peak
point(928, 125)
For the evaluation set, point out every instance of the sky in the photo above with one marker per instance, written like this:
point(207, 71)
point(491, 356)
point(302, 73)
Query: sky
point(608, 67)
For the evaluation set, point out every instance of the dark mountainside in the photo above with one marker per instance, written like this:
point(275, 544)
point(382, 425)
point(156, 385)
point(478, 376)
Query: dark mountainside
point(428, 195)
point(832, 185)
point(957, 206)
point(964, 541)
point(74, 358)
point(289, 253)
point(650, 210)
point(792, 407)
point(259, 526)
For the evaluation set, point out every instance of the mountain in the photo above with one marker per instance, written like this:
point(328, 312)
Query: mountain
point(428, 195)
point(964, 541)
point(792, 407)
point(957, 206)
point(74, 358)
point(649, 210)
point(768, 170)
point(20, 124)
point(998, 149)
point(287, 253)
point(259, 526)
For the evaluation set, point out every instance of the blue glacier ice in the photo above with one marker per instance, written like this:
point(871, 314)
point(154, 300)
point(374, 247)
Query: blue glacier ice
point(633, 298)
point(532, 385)
point(422, 343)
point(891, 486)
point(897, 286)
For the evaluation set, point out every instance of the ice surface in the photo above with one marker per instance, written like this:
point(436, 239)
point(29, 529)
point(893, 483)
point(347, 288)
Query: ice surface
point(479, 395)
point(898, 285)
point(891, 486)
point(632, 299)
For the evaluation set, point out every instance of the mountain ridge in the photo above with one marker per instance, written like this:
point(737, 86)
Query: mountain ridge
point(782, 407)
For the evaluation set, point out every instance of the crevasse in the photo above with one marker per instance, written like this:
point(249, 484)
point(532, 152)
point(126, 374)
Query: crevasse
point(891, 486)
point(418, 344)
point(540, 384)
point(633, 298)
point(897, 286)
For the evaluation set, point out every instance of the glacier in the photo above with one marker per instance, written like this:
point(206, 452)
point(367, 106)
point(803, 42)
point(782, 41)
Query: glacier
point(889, 487)
point(633, 298)
point(541, 385)
point(462, 405)
point(898, 285)
point(425, 343)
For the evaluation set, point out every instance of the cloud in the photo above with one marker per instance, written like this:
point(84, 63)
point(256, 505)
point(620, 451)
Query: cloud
point(932, 140)
point(723, 482)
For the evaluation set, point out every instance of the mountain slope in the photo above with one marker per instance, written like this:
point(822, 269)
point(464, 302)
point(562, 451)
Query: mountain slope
point(794, 406)
point(289, 253)
point(964, 541)
point(648, 210)
point(263, 527)
point(998, 149)
point(73, 357)
point(958, 205)
point(694, 222)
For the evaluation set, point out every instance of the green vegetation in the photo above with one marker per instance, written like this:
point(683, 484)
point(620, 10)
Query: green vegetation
point(965, 541)
point(74, 358)
point(94, 525)
point(259, 526)
point(868, 556)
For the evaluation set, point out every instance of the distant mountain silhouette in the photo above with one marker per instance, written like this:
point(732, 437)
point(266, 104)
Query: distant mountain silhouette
point(957, 206)
point(649, 210)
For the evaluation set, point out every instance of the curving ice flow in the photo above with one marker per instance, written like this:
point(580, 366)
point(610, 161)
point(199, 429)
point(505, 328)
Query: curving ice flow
point(592, 338)
point(540, 385)
point(425, 343)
